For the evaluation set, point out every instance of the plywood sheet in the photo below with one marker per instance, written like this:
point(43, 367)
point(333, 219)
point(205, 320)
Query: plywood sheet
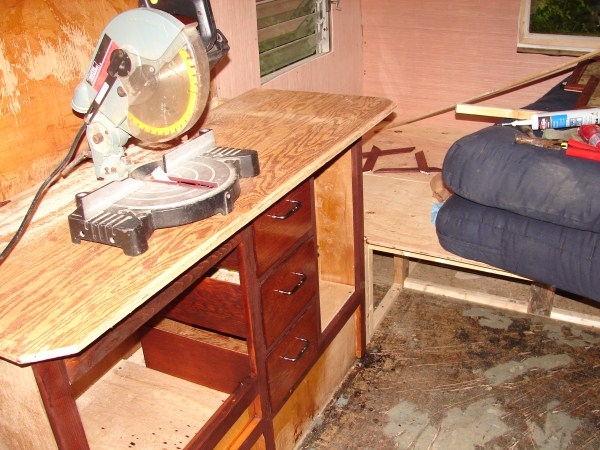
point(135, 406)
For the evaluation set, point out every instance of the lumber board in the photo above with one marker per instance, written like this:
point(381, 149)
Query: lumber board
point(133, 405)
point(491, 111)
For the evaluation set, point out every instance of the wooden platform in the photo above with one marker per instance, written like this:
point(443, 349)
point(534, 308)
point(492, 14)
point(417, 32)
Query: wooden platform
point(398, 222)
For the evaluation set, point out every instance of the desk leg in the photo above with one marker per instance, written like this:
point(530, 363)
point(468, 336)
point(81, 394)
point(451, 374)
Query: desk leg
point(55, 390)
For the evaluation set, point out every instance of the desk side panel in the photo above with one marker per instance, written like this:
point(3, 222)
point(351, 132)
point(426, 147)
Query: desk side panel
point(23, 420)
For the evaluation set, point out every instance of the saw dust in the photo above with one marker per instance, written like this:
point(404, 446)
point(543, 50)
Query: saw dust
point(442, 374)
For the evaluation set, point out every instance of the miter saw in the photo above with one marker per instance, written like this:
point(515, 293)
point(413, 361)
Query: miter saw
point(149, 79)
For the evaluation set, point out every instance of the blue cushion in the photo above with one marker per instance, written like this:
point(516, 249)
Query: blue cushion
point(560, 256)
point(487, 167)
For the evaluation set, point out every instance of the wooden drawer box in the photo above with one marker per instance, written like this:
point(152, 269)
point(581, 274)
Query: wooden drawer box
point(212, 360)
point(288, 290)
point(214, 304)
point(292, 357)
point(280, 227)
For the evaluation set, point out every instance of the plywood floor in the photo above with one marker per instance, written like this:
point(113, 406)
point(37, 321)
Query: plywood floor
point(445, 374)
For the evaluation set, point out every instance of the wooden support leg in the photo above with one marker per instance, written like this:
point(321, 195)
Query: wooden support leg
point(400, 269)
point(369, 307)
point(540, 299)
point(55, 391)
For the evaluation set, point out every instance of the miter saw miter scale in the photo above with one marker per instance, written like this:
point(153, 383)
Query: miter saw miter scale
point(149, 79)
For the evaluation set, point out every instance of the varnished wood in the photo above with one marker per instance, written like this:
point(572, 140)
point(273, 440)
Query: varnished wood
point(290, 361)
point(282, 225)
point(212, 304)
point(52, 380)
point(280, 309)
point(80, 364)
point(190, 354)
point(57, 297)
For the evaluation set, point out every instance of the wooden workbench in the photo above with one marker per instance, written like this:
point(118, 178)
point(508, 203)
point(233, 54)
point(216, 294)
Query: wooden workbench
point(58, 298)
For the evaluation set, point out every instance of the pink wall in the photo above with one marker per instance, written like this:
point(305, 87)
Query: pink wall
point(430, 54)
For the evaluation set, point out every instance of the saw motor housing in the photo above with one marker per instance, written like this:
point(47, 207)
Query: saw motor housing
point(148, 79)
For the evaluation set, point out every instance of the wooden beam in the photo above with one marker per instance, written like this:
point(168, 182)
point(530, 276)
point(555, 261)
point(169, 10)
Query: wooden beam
point(490, 111)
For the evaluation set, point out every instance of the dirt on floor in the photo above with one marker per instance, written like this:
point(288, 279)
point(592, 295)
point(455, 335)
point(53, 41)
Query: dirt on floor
point(445, 374)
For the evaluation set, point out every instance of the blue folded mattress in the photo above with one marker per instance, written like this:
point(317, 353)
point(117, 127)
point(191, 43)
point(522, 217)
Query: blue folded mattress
point(528, 210)
point(487, 167)
point(542, 251)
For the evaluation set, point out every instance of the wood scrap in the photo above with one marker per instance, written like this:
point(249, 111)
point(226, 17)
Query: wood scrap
point(490, 111)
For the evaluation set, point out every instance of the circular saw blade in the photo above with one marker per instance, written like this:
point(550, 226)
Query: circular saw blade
point(173, 97)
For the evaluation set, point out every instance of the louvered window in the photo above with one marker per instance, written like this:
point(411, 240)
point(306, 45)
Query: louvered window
point(290, 31)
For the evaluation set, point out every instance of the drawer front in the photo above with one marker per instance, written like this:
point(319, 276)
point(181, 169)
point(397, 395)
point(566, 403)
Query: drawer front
point(280, 227)
point(292, 357)
point(287, 291)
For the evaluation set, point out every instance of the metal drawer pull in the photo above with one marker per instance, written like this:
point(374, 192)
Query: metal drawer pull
point(297, 205)
point(300, 353)
point(295, 288)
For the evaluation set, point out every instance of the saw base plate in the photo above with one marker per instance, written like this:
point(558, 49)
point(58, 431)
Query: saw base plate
point(125, 213)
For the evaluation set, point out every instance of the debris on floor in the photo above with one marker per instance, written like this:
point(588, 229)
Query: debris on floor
point(442, 374)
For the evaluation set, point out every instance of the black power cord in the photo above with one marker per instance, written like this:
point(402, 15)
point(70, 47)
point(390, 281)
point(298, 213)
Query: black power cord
point(40, 193)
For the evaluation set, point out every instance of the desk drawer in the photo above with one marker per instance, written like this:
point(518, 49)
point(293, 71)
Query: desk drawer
point(287, 291)
point(280, 227)
point(289, 361)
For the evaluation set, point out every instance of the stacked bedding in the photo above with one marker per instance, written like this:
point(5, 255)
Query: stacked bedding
point(528, 210)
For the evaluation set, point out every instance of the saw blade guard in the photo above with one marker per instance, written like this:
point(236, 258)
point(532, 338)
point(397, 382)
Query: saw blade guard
point(164, 89)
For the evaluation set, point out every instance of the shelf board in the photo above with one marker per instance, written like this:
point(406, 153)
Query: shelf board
point(333, 296)
point(136, 407)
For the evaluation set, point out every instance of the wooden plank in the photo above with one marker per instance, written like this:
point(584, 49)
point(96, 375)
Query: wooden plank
point(386, 303)
point(541, 299)
point(490, 111)
point(335, 221)
point(56, 297)
point(133, 405)
point(465, 294)
point(398, 215)
point(55, 391)
point(216, 361)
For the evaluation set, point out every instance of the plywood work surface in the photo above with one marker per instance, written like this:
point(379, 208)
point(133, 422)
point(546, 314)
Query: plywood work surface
point(398, 214)
point(398, 218)
point(57, 297)
point(398, 206)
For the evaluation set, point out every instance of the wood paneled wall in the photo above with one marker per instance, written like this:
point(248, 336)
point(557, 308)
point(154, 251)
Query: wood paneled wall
point(424, 55)
point(429, 54)
point(339, 71)
point(44, 49)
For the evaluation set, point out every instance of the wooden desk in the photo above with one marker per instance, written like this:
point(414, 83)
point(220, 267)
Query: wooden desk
point(59, 298)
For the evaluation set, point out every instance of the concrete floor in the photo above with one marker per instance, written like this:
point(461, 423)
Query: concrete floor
point(446, 374)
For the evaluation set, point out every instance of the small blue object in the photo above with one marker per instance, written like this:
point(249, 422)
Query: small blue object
point(434, 211)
